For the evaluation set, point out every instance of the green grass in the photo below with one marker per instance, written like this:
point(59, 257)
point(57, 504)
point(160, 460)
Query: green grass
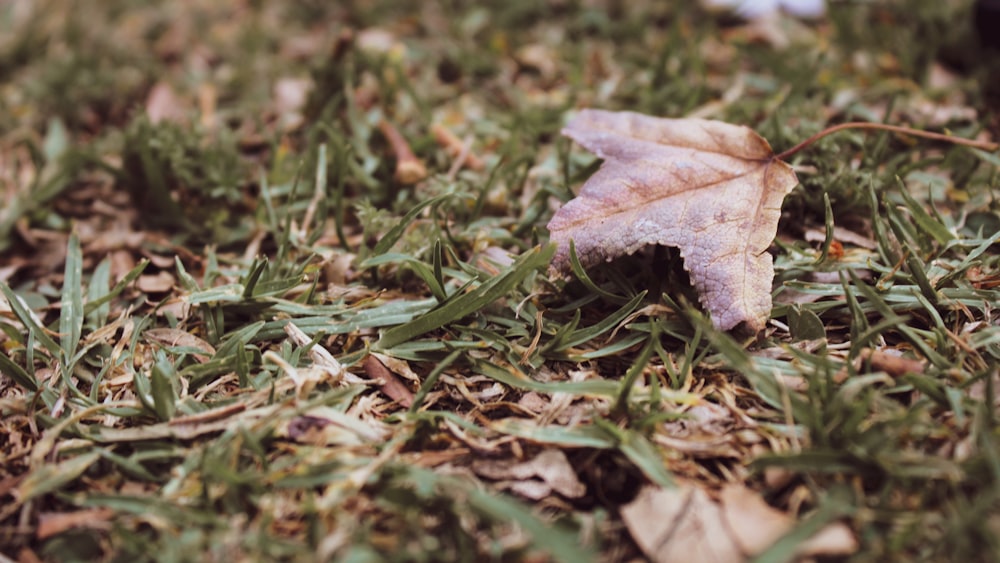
point(219, 436)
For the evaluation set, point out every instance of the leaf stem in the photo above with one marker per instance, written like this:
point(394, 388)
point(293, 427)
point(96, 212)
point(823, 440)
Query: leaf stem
point(984, 145)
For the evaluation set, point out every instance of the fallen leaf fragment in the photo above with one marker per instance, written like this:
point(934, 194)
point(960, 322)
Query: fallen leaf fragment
point(290, 97)
point(711, 189)
point(390, 384)
point(160, 282)
point(163, 104)
point(756, 525)
point(551, 466)
point(52, 523)
point(679, 524)
point(686, 524)
point(177, 338)
point(327, 426)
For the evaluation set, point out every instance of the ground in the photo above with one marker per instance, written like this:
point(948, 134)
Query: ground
point(275, 287)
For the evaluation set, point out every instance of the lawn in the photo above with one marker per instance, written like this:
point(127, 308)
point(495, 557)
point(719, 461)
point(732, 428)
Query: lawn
point(275, 286)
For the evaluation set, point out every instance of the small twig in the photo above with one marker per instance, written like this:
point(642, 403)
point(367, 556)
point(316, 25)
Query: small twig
point(456, 148)
point(212, 415)
point(388, 382)
point(984, 145)
point(409, 168)
point(895, 366)
point(530, 350)
point(319, 193)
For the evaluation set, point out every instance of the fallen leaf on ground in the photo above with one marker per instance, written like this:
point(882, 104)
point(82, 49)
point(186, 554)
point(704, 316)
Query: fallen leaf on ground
point(160, 282)
point(328, 427)
point(551, 466)
point(390, 384)
point(52, 523)
point(163, 104)
point(177, 338)
point(711, 189)
point(290, 96)
point(686, 524)
point(679, 524)
point(705, 431)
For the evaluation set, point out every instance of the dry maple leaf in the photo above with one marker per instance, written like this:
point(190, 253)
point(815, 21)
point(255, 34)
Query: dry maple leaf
point(711, 189)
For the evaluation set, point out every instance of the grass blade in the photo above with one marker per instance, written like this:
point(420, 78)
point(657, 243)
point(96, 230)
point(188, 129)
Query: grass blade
point(517, 380)
point(471, 302)
point(390, 238)
point(71, 304)
point(27, 318)
point(17, 373)
point(119, 287)
point(53, 476)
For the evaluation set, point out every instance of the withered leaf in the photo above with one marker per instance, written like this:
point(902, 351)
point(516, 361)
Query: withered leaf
point(686, 524)
point(174, 337)
point(390, 384)
point(551, 466)
point(711, 189)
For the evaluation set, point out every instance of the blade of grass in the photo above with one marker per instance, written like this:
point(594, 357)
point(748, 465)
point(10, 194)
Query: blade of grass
point(71, 302)
point(639, 451)
point(471, 302)
point(428, 273)
point(53, 476)
point(162, 388)
point(590, 436)
point(431, 379)
point(620, 406)
point(927, 224)
point(784, 549)
point(587, 334)
point(35, 330)
point(20, 376)
point(560, 543)
point(517, 380)
point(581, 274)
point(97, 288)
point(119, 287)
point(393, 235)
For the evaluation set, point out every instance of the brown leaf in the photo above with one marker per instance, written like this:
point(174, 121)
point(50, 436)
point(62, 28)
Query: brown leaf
point(174, 337)
point(755, 525)
point(52, 523)
point(685, 524)
point(163, 104)
point(390, 384)
point(290, 97)
point(711, 189)
point(551, 466)
point(160, 282)
point(679, 524)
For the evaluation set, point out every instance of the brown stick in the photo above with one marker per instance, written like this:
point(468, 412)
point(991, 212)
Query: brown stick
point(456, 148)
point(895, 366)
point(984, 145)
point(409, 168)
point(390, 384)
